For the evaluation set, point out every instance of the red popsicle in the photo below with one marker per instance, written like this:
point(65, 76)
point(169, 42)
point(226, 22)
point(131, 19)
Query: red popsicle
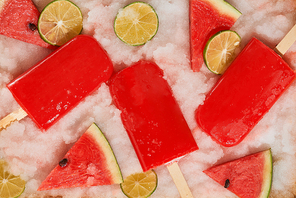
point(151, 115)
point(55, 85)
point(245, 93)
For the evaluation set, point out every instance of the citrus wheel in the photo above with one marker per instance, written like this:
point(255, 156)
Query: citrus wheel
point(220, 50)
point(10, 186)
point(59, 22)
point(139, 185)
point(136, 23)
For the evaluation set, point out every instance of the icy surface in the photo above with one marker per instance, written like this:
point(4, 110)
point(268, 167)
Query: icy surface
point(33, 154)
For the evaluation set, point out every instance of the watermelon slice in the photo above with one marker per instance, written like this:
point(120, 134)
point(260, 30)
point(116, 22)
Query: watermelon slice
point(207, 17)
point(90, 162)
point(247, 177)
point(18, 20)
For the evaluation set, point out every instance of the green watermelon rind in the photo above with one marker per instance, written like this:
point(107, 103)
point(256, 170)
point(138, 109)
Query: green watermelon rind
point(112, 164)
point(225, 8)
point(267, 175)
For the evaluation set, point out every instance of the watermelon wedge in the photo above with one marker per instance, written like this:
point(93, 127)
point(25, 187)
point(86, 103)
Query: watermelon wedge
point(90, 162)
point(18, 20)
point(207, 17)
point(247, 177)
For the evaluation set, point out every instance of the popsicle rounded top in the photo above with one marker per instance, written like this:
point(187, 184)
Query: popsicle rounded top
point(58, 83)
point(244, 94)
point(151, 115)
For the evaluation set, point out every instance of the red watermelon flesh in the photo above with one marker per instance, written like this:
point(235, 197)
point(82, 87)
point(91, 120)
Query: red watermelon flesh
point(207, 17)
point(248, 177)
point(90, 162)
point(15, 19)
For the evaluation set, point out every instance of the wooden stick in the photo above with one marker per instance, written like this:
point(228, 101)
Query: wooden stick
point(286, 42)
point(179, 180)
point(14, 116)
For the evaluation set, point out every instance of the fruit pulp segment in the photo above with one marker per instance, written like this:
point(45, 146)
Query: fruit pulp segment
point(244, 94)
point(59, 82)
point(248, 177)
point(18, 19)
point(151, 115)
point(86, 165)
point(206, 19)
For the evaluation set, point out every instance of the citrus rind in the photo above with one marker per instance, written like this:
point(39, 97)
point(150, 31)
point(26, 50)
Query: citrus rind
point(136, 23)
point(220, 50)
point(140, 185)
point(11, 186)
point(59, 22)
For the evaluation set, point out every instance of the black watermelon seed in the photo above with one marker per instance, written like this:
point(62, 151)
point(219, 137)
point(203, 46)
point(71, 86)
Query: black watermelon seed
point(63, 162)
point(227, 183)
point(32, 26)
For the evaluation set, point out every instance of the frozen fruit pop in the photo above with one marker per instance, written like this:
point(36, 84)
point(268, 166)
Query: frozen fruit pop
point(151, 115)
point(245, 93)
point(54, 86)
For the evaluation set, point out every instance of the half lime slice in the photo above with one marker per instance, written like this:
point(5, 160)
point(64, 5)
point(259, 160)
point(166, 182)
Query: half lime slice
point(10, 186)
point(139, 185)
point(220, 50)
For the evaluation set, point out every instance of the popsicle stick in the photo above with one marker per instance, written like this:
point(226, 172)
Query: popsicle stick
point(17, 115)
point(179, 180)
point(286, 42)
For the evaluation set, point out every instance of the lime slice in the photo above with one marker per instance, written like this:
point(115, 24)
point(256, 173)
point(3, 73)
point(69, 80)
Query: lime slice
point(139, 185)
point(59, 22)
point(136, 23)
point(10, 185)
point(220, 50)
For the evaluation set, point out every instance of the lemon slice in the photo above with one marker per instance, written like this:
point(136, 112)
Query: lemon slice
point(10, 186)
point(139, 185)
point(59, 22)
point(220, 50)
point(136, 23)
